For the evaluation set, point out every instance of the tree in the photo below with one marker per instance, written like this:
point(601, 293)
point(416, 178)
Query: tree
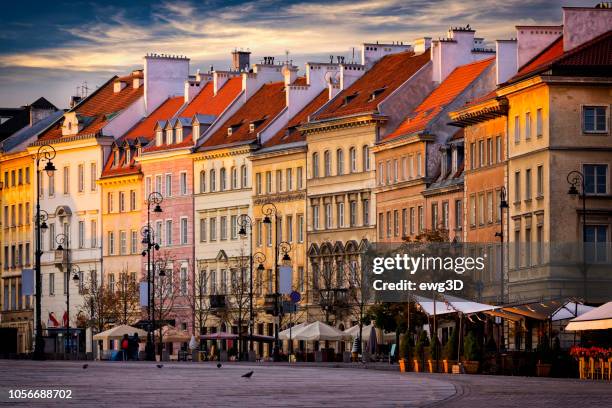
point(238, 298)
point(360, 292)
point(165, 291)
point(99, 304)
point(331, 289)
point(128, 299)
point(199, 301)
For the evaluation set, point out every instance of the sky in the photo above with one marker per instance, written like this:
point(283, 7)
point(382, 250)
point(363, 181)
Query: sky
point(49, 48)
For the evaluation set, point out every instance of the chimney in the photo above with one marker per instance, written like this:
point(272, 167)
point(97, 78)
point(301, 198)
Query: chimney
point(289, 73)
point(531, 40)
point(263, 73)
point(164, 76)
point(506, 60)
point(372, 52)
point(421, 45)
point(241, 60)
point(582, 24)
point(118, 86)
point(349, 73)
point(74, 101)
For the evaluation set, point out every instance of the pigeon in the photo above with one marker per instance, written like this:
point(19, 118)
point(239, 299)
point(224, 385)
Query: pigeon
point(218, 365)
point(248, 375)
point(160, 365)
point(85, 366)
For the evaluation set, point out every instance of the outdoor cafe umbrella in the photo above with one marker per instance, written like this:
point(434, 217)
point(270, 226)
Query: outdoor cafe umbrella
point(319, 331)
point(372, 342)
point(118, 332)
point(284, 335)
point(171, 334)
point(366, 331)
point(599, 318)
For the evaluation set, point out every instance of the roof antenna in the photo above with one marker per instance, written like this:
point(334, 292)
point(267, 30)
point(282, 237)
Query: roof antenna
point(353, 60)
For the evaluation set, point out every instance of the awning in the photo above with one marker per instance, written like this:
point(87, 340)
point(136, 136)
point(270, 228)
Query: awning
point(284, 335)
point(319, 331)
point(452, 304)
point(171, 334)
point(570, 310)
point(599, 318)
point(118, 332)
point(366, 331)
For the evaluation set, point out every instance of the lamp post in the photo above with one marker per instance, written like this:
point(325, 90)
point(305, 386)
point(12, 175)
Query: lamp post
point(575, 180)
point(45, 153)
point(270, 210)
point(74, 270)
point(161, 274)
point(63, 245)
point(244, 221)
point(155, 199)
point(503, 204)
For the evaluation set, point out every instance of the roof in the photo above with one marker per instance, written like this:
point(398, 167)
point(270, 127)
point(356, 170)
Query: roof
point(142, 132)
point(24, 134)
point(456, 82)
point(99, 107)
point(594, 57)
point(290, 133)
point(206, 103)
point(260, 109)
point(379, 81)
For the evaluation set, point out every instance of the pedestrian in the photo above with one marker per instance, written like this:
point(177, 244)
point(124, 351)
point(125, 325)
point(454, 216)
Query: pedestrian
point(136, 346)
point(125, 346)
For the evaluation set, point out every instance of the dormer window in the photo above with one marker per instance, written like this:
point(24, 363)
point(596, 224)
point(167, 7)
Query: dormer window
point(139, 150)
point(159, 137)
point(196, 131)
point(230, 130)
point(252, 128)
point(455, 160)
point(377, 92)
point(179, 135)
point(169, 135)
point(349, 98)
point(128, 155)
point(444, 161)
point(116, 158)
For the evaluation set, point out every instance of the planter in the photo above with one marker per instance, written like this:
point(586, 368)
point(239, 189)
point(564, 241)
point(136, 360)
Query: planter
point(416, 366)
point(448, 365)
point(402, 365)
point(471, 367)
point(543, 369)
point(430, 366)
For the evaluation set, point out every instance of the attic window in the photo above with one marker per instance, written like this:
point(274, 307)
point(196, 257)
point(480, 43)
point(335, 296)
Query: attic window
point(230, 130)
point(128, 155)
point(377, 92)
point(116, 158)
point(252, 127)
point(159, 137)
point(349, 98)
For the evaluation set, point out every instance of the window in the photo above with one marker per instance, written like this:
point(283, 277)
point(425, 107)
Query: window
point(527, 246)
point(13, 180)
point(213, 180)
point(51, 236)
point(111, 243)
point(458, 214)
point(289, 228)
point(539, 124)
point(412, 220)
point(381, 173)
point(481, 209)
point(244, 183)
point(299, 178)
point(94, 233)
point(472, 156)
point(121, 201)
point(234, 227)
point(268, 234)
point(396, 223)
point(183, 280)
point(184, 231)
point(213, 229)
point(421, 219)
point(404, 222)
point(527, 125)
point(27, 175)
point(340, 214)
point(258, 232)
point(445, 215)
point(411, 167)
point(327, 163)
point(595, 178)
point(540, 182)
point(490, 210)
point(366, 212)
point(381, 228)
point(435, 222)
point(595, 119)
point(122, 242)
point(168, 232)
point(27, 213)
point(81, 234)
point(51, 284)
point(93, 175)
point(597, 243)
point(158, 232)
point(128, 156)
point(148, 186)
point(268, 182)
point(134, 242)
point(473, 210)
point(159, 137)
point(132, 200)
point(158, 184)
point(353, 159)
point(202, 229)
point(395, 170)
point(328, 216)
point(289, 179)
point(66, 180)
point(183, 183)
point(517, 186)
point(258, 183)
point(353, 213)
point(528, 184)
point(481, 156)
point(109, 202)
point(418, 164)
point(388, 172)
point(489, 151)
point(301, 278)
point(81, 171)
point(366, 158)
point(168, 185)
point(223, 227)
point(300, 228)
point(279, 181)
point(315, 165)
point(222, 179)
point(315, 217)
point(517, 129)
point(339, 162)
point(202, 181)
point(498, 149)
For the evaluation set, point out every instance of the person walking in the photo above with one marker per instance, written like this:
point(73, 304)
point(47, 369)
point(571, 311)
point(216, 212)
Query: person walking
point(136, 343)
point(125, 346)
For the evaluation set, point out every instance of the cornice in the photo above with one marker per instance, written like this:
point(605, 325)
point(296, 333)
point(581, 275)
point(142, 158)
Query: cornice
point(280, 198)
point(342, 123)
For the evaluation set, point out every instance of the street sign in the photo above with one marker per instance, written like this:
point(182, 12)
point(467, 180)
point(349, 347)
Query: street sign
point(295, 296)
point(144, 294)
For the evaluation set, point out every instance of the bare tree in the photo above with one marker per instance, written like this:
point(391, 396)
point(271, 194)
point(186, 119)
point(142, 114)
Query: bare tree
point(331, 289)
point(360, 292)
point(238, 296)
point(98, 303)
point(128, 299)
point(199, 301)
point(166, 289)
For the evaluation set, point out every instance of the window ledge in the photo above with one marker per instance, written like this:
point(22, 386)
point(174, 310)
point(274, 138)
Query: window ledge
point(540, 197)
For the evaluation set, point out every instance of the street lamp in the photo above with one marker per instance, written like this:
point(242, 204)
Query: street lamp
point(63, 245)
point(270, 210)
point(45, 153)
point(575, 180)
point(244, 221)
point(154, 199)
point(503, 204)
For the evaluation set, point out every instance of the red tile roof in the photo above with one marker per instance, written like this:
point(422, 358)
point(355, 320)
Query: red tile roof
point(383, 78)
point(100, 106)
point(594, 57)
point(206, 103)
point(456, 82)
point(261, 108)
point(143, 131)
point(290, 133)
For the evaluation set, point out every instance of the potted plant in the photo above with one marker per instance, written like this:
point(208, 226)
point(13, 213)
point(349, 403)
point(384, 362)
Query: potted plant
point(419, 350)
point(405, 352)
point(471, 354)
point(544, 355)
point(449, 353)
point(434, 354)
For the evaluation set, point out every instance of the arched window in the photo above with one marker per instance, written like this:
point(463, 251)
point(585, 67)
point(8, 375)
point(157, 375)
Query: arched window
point(213, 180)
point(327, 163)
point(202, 181)
point(366, 158)
point(315, 165)
point(234, 178)
point(339, 162)
point(222, 179)
point(353, 159)
point(243, 177)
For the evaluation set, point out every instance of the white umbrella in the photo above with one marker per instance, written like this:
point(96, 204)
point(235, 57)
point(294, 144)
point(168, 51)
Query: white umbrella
point(284, 335)
point(597, 319)
point(319, 331)
point(192, 343)
point(570, 310)
point(118, 332)
point(354, 332)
